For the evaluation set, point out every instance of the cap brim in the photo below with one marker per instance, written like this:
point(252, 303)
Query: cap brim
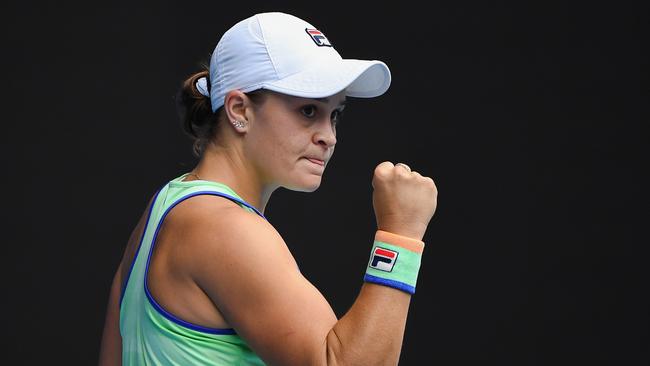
point(360, 78)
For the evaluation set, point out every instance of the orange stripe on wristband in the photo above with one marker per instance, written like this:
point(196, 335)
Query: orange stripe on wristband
point(405, 242)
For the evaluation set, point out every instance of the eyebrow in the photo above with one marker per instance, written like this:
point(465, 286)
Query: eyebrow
point(327, 100)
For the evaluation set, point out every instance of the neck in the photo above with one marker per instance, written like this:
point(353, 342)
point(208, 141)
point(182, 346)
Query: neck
point(228, 166)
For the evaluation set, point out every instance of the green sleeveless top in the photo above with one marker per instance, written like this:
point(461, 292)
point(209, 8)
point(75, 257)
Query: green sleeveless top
point(150, 334)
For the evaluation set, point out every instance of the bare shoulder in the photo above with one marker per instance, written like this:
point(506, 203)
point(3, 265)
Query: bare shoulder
point(216, 229)
point(133, 242)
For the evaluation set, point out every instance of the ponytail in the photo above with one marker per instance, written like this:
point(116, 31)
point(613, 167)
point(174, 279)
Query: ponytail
point(195, 112)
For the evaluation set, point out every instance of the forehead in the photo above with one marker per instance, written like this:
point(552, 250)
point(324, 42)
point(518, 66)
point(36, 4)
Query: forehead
point(334, 100)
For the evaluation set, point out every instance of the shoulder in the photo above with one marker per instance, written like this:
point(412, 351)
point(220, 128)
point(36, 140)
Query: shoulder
point(133, 243)
point(216, 230)
point(205, 214)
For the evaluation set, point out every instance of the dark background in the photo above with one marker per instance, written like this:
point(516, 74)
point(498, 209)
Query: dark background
point(529, 117)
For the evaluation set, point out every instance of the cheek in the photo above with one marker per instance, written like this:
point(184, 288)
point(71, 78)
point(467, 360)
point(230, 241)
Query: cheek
point(280, 143)
point(288, 149)
point(277, 148)
point(288, 140)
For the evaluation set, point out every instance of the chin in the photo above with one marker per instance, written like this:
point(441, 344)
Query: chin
point(307, 185)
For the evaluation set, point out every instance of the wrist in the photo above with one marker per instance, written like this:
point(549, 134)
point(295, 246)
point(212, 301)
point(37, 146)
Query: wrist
point(410, 231)
point(394, 261)
point(407, 242)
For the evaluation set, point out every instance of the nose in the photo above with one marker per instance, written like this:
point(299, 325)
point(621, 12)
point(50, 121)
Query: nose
point(326, 135)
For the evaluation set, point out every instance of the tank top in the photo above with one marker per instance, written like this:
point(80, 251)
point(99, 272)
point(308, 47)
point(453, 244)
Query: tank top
point(150, 334)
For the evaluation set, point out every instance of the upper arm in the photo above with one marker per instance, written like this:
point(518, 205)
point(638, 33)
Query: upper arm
point(110, 353)
point(247, 270)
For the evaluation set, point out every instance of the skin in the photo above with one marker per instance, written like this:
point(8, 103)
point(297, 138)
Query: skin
point(210, 264)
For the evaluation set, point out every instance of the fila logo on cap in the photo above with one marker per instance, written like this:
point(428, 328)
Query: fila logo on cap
point(318, 37)
point(383, 259)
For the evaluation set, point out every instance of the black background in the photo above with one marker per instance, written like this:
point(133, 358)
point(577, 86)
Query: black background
point(529, 117)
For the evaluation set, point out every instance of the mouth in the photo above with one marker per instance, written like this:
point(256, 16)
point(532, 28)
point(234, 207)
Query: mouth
point(316, 161)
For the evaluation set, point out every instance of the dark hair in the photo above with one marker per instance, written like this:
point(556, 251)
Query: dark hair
point(195, 112)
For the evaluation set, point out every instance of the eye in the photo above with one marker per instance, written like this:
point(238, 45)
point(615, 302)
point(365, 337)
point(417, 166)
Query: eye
point(336, 115)
point(309, 111)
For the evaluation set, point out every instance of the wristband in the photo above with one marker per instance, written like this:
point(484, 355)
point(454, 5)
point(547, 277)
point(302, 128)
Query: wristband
point(394, 261)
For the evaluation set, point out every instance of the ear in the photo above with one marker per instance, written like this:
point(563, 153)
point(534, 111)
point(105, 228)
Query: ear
point(235, 105)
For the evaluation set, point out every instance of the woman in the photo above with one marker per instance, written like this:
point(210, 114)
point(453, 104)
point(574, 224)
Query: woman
point(205, 278)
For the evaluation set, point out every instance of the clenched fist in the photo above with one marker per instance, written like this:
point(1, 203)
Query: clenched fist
point(404, 201)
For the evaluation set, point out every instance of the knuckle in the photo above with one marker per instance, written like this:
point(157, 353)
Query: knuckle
point(402, 174)
point(383, 169)
point(431, 184)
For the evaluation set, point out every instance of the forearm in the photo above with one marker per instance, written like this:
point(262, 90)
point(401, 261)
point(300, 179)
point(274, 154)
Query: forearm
point(371, 332)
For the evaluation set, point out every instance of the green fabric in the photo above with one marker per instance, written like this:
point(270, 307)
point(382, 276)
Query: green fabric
point(405, 269)
point(148, 337)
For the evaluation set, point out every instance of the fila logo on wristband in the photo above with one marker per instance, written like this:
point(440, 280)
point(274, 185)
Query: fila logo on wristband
point(383, 259)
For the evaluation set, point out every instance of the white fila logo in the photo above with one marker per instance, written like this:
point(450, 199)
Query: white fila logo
point(383, 259)
point(318, 37)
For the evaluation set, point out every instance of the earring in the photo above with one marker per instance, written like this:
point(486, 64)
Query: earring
point(238, 124)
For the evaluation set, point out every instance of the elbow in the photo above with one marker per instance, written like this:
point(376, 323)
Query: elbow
point(333, 349)
point(337, 353)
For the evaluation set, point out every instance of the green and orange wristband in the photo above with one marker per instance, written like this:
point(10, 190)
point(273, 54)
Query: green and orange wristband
point(394, 261)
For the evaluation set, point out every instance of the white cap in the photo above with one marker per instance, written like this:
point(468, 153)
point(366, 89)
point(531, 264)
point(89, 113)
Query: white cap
point(283, 53)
